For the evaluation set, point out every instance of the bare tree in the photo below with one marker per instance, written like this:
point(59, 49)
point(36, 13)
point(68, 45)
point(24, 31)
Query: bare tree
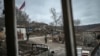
point(22, 18)
point(55, 17)
point(77, 22)
point(51, 24)
point(60, 21)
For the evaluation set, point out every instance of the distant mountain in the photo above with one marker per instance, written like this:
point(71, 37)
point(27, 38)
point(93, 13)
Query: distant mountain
point(87, 27)
point(37, 24)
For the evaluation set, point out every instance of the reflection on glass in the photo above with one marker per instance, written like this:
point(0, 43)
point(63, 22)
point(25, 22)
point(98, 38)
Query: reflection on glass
point(87, 24)
point(39, 27)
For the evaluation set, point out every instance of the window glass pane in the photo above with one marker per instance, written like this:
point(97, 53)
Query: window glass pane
point(86, 24)
point(40, 27)
point(2, 30)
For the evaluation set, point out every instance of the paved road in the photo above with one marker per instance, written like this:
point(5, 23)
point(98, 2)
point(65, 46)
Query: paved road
point(57, 47)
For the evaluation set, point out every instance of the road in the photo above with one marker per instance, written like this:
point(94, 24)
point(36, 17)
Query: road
point(58, 48)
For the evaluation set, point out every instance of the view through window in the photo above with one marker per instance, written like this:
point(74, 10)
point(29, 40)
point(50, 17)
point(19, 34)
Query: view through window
point(40, 27)
point(87, 26)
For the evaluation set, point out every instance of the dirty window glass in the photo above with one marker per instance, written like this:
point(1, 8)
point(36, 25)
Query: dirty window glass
point(40, 27)
point(87, 24)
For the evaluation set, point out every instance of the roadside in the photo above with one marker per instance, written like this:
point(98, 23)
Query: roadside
point(58, 48)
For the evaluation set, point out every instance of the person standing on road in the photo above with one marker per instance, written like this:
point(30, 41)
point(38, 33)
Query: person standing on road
point(27, 36)
point(45, 39)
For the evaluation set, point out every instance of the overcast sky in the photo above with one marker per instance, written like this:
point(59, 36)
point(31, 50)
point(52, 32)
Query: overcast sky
point(39, 10)
point(88, 11)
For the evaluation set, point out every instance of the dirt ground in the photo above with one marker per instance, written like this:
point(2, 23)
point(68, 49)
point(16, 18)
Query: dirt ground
point(58, 48)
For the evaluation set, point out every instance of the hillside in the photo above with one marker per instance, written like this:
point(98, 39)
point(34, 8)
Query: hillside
point(87, 27)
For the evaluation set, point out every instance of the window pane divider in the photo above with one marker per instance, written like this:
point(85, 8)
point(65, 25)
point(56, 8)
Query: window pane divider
point(10, 24)
point(69, 28)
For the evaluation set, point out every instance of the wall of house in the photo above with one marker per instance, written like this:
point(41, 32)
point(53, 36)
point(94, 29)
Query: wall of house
point(19, 30)
point(23, 32)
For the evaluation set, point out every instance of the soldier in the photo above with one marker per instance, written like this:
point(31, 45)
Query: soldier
point(45, 38)
point(27, 36)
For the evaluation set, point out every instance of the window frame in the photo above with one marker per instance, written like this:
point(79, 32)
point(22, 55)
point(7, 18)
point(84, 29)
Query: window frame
point(69, 28)
point(10, 24)
point(11, 34)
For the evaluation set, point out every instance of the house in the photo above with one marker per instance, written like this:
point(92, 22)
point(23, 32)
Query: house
point(21, 33)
